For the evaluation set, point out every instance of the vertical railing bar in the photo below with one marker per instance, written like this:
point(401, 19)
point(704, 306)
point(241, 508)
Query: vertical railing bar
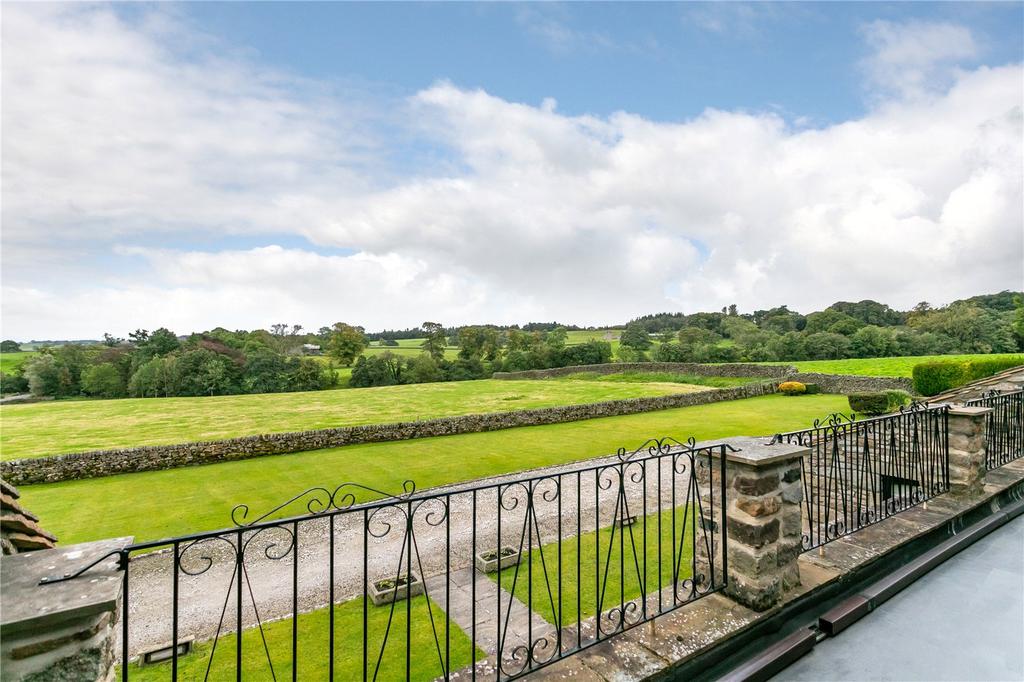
point(472, 591)
point(725, 546)
point(295, 601)
point(447, 584)
point(240, 558)
point(174, 617)
point(366, 594)
point(408, 596)
point(124, 559)
point(330, 599)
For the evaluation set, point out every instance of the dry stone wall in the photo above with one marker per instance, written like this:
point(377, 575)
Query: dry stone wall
point(851, 383)
point(98, 463)
point(733, 369)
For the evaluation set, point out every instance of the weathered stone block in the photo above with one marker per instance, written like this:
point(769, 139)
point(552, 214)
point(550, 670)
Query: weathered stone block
point(791, 474)
point(753, 533)
point(749, 484)
point(793, 493)
point(792, 520)
point(760, 506)
point(759, 594)
point(788, 550)
point(791, 576)
point(753, 562)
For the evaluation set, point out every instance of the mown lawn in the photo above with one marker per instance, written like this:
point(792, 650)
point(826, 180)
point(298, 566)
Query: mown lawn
point(887, 367)
point(605, 568)
point(11, 361)
point(314, 644)
point(57, 427)
point(156, 504)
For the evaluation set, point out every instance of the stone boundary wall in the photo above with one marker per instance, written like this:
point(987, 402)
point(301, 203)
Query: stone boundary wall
point(852, 383)
point(96, 463)
point(732, 369)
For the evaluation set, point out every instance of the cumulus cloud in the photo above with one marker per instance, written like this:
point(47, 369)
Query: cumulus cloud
point(915, 57)
point(111, 138)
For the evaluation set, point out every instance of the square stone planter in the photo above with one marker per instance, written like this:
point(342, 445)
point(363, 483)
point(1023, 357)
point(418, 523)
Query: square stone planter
point(386, 591)
point(487, 561)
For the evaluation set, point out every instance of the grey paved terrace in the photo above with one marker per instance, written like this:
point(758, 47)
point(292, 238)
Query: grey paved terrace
point(962, 621)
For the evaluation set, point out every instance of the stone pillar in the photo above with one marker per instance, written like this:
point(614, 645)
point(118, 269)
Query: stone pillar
point(66, 630)
point(967, 434)
point(764, 520)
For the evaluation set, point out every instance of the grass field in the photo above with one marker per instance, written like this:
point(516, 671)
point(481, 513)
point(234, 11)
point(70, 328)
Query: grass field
point(600, 574)
point(69, 426)
point(155, 504)
point(888, 367)
point(633, 377)
point(313, 643)
point(11, 361)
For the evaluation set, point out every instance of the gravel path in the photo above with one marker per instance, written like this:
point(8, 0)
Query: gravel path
point(269, 566)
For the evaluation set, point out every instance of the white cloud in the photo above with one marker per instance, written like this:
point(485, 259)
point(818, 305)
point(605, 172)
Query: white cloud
point(915, 57)
point(113, 138)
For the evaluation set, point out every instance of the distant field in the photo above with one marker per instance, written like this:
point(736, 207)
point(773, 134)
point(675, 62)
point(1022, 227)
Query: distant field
point(633, 377)
point(157, 504)
point(11, 361)
point(69, 426)
point(888, 367)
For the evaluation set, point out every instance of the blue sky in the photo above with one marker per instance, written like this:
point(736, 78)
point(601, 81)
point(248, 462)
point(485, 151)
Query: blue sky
point(663, 61)
point(241, 164)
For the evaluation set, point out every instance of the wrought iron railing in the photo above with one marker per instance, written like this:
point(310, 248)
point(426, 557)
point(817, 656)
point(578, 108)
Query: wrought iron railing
point(1004, 436)
point(495, 580)
point(859, 472)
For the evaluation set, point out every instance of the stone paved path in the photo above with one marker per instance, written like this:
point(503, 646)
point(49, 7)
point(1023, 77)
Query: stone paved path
point(519, 625)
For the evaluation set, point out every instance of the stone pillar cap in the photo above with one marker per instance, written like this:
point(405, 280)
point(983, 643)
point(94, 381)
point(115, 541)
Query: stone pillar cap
point(964, 411)
point(756, 450)
point(29, 605)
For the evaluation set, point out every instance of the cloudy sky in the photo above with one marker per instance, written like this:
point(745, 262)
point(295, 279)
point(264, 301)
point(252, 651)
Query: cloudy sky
point(241, 164)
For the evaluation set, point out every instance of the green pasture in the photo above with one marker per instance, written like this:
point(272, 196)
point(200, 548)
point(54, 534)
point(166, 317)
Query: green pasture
point(605, 568)
point(313, 643)
point(886, 367)
point(634, 377)
point(11, 361)
point(56, 427)
point(155, 504)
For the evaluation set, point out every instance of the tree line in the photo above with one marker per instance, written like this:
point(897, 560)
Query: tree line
point(865, 329)
point(160, 364)
point(221, 362)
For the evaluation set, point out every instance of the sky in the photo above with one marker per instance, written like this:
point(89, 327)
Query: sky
point(242, 164)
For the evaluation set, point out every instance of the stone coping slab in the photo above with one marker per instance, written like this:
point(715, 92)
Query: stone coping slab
point(29, 605)
point(758, 451)
point(652, 649)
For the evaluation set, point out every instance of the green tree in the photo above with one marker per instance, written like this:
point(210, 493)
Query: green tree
point(9, 346)
point(556, 338)
point(103, 381)
point(435, 340)
point(346, 343)
point(635, 337)
point(827, 346)
point(1018, 321)
point(48, 376)
point(873, 342)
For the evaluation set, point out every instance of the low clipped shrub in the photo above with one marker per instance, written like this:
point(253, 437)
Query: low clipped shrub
point(792, 388)
point(932, 378)
point(812, 389)
point(871, 404)
point(880, 402)
point(898, 399)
